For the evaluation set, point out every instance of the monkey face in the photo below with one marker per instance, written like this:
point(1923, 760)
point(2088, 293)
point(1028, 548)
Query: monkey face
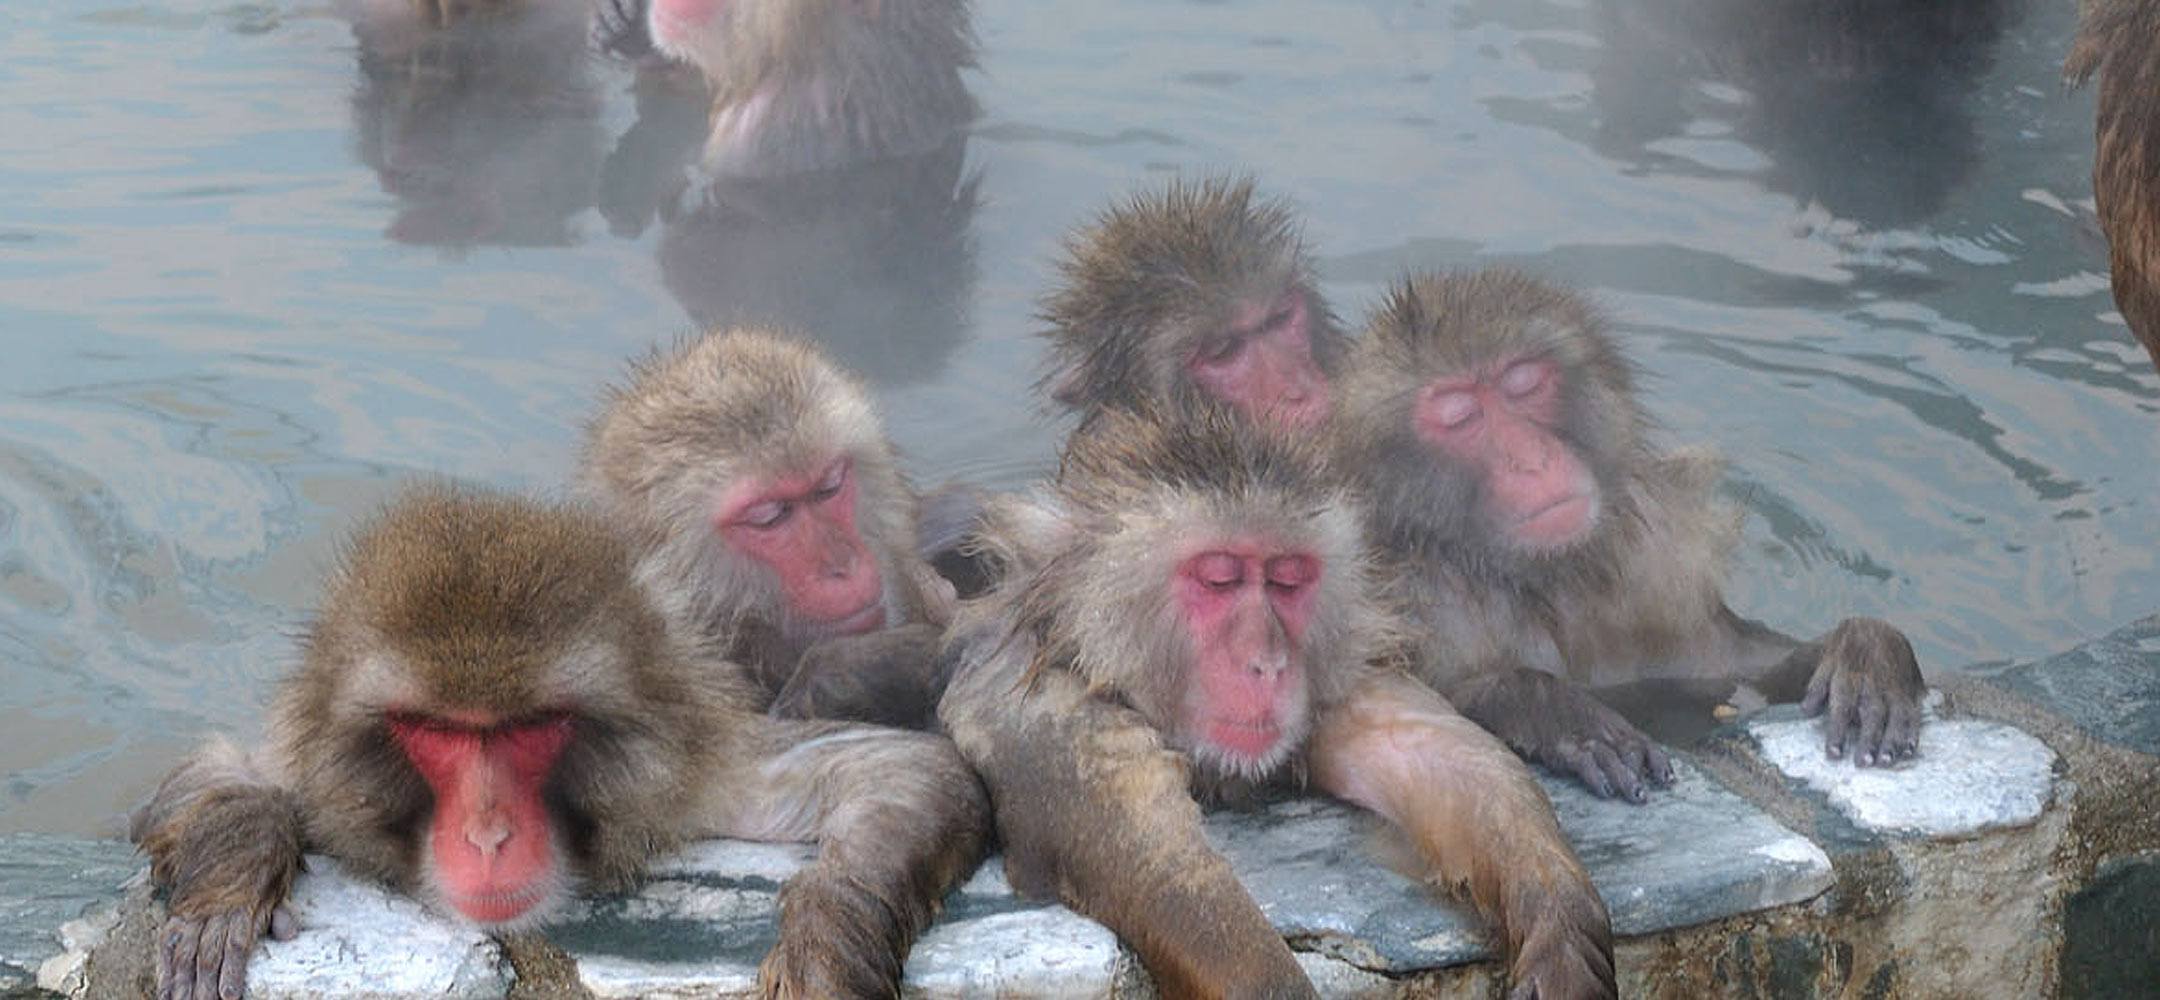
point(1260, 361)
point(1500, 426)
point(1244, 607)
point(492, 850)
point(802, 530)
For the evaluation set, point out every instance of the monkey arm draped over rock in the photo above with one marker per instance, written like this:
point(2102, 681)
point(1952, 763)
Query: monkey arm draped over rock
point(1188, 613)
point(490, 713)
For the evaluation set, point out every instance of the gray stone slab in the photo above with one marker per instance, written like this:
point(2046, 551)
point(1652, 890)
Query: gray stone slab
point(1970, 775)
point(2110, 687)
point(1696, 852)
point(360, 940)
point(46, 881)
point(701, 923)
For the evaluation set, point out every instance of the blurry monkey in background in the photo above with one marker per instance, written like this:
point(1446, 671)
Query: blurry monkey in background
point(1546, 546)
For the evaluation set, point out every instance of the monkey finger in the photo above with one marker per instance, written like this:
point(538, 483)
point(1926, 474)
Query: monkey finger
point(1902, 736)
point(1584, 763)
point(210, 955)
point(1839, 720)
point(1656, 765)
point(240, 940)
point(283, 925)
point(1818, 694)
point(168, 939)
point(182, 984)
point(1623, 778)
point(1874, 716)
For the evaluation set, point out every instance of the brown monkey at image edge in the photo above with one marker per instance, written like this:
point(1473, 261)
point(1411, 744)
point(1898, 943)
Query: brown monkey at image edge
point(1190, 613)
point(490, 714)
point(778, 531)
point(2115, 41)
point(1546, 545)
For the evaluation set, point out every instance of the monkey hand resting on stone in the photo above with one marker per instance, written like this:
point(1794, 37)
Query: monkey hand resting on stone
point(1546, 546)
point(1189, 613)
point(490, 714)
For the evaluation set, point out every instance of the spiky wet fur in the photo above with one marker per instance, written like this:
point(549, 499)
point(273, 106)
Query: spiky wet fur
point(1649, 575)
point(1140, 287)
point(1093, 557)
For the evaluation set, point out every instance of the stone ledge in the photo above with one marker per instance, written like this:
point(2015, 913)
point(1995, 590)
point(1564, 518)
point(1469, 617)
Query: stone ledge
point(46, 882)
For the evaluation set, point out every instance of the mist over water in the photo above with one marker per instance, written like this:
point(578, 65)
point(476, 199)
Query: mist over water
point(251, 278)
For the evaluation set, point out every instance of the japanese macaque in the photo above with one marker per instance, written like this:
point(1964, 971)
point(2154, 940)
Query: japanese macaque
point(2115, 42)
point(778, 532)
point(485, 129)
point(807, 85)
point(1195, 295)
point(1189, 615)
point(490, 714)
point(1546, 545)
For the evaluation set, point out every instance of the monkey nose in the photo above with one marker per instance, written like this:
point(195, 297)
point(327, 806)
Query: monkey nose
point(487, 833)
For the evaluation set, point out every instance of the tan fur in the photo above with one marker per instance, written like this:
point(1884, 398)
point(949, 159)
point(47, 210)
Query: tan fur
point(1069, 685)
point(688, 425)
point(1152, 278)
point(2115, 41)
point(454, 601)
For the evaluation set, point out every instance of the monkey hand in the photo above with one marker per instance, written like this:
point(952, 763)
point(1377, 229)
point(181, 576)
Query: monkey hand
point(1867, 687)
point(204, 956)
point(1566, 952)
point(1557, 724)
point(837, 939)
point(892, 677)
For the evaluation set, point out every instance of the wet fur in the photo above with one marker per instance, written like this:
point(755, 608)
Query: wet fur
point(1140, 287)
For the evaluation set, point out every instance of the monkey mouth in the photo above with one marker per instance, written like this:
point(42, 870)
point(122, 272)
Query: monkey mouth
point(869, 619)
point(498, 906)
point(1560, 523)
point(1249, 738)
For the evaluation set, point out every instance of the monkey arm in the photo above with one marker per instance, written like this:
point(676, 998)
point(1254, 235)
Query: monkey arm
point(899, 819)
point(1093, 809)
point(224, 841)
point(891, 677)
point(1478, 822)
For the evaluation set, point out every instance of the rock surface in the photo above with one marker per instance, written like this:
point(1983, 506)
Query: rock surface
point(46, 881)
point(360, 940)
point(2110, 687)
point(1970, 775)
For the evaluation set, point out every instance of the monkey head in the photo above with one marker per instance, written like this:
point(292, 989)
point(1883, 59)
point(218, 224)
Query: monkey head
point(764, 480)
point(813, 84)
point(484, 681)
point(1492, 416)
point(1193, 296)
point(1211, 575)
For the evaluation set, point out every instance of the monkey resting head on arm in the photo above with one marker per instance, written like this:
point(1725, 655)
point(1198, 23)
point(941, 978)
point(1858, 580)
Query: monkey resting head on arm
point(1545, 544)
point(779, 531)
point(489, 714)
point(1190, 613)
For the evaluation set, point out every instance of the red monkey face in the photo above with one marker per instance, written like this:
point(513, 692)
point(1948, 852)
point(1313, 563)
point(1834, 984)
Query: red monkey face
point(1537, 493)
point(1263, 363)
point(491, 846)
point(803, 530)
point(1245, 607)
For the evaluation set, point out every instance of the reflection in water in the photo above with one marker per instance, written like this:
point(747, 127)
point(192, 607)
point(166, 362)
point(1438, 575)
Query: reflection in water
point(1860, 105)
point(486, 131)
point(875, 261)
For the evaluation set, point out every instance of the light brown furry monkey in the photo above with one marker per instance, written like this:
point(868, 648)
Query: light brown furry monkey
point(777, 530)
point(1547, 546)
point(1189, 612)
point(490, 713)
point(808, 85)
point(1195, 295)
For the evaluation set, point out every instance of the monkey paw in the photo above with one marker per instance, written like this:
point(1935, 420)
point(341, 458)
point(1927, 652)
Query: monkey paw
point(1561, 726)
point(206, 957)
point(1567, 952)
point(1867, 687)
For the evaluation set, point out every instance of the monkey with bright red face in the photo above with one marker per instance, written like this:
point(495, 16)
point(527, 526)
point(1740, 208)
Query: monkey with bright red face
point(1548, 547)
point(777, 529)
point(491, 713)
point(1189, 613)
